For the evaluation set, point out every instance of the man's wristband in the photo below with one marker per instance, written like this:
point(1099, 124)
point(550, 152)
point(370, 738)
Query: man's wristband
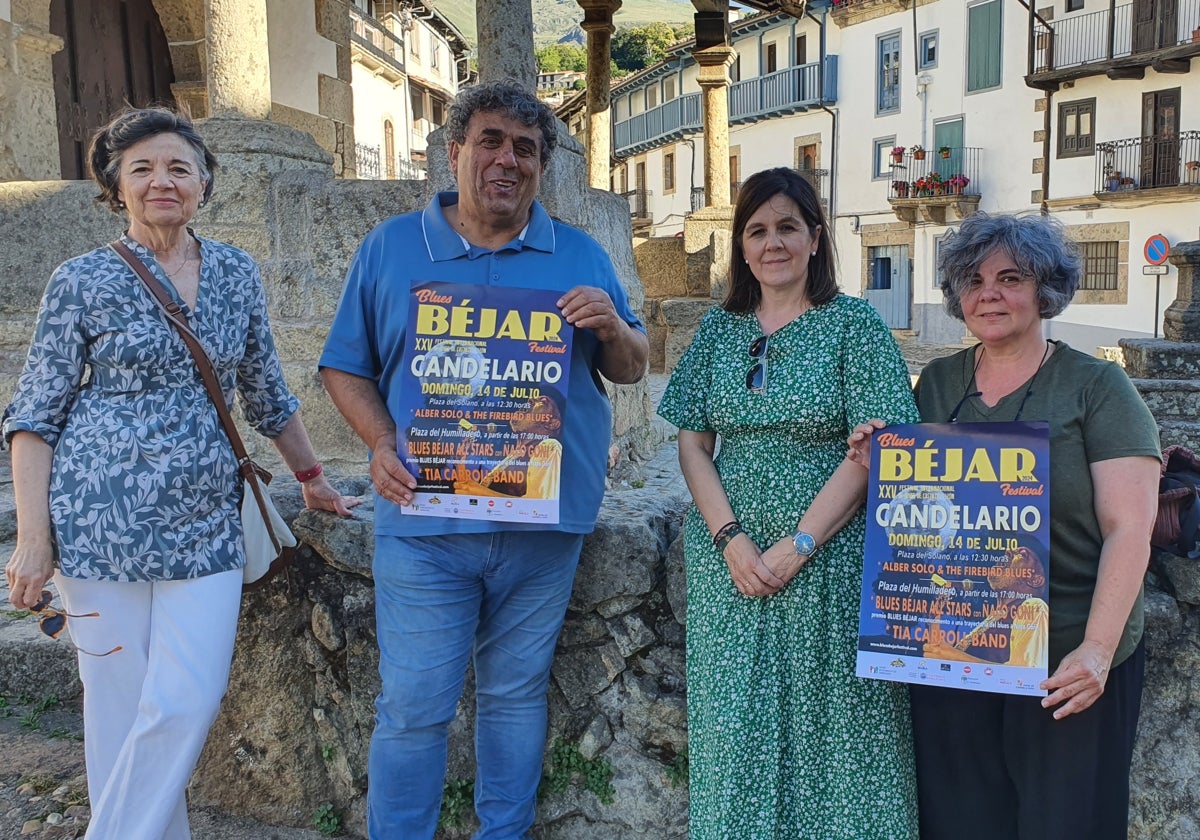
point(310, 473)
point(726, 533)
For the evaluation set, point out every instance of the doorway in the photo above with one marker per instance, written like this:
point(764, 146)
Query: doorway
point(1160, 138)
point(114, 54)
point(889, 284)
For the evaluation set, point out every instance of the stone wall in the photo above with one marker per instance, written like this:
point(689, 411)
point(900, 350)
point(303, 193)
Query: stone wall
point(295, 726)
point(276, 197)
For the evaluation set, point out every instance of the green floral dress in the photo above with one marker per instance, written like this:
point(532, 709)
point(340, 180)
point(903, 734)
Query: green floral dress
point(785, 743)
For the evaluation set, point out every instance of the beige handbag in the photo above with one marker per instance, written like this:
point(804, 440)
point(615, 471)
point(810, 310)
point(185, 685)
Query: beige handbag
point(269, 542)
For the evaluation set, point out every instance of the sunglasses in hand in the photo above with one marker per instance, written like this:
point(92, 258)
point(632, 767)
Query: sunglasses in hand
point(52, 621)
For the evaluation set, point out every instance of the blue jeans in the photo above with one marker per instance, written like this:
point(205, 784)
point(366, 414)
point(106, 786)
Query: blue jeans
point(502, 597)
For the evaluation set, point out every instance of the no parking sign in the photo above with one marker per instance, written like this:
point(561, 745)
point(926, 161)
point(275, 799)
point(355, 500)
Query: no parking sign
point(1157, 249)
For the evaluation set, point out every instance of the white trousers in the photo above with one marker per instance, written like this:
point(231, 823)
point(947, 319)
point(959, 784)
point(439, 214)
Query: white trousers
point(148, 707)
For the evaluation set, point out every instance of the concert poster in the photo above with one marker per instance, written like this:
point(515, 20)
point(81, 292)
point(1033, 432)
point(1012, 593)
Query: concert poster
point(482, 411)
point(956, 561)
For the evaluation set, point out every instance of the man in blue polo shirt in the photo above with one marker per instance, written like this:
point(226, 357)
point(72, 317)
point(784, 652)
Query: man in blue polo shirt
point(449, 588)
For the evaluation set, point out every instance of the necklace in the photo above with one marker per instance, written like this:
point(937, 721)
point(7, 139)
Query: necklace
point(968, 393)
point(171, 272)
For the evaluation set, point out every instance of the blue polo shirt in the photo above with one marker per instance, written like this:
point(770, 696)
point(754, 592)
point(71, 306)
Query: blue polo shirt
point(367, 338)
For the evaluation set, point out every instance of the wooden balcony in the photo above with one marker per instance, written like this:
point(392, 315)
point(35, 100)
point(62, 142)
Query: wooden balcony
point(1120, 43)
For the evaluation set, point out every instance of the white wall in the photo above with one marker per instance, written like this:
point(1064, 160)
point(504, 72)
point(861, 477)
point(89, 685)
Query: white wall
point(297, 54)
point(5, 10)
point(376, 100)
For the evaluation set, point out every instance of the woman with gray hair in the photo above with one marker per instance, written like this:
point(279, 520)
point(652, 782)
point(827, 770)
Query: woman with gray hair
point(127, 490)
point(1057, 766)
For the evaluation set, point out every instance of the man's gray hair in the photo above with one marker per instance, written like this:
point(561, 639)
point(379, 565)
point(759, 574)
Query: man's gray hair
point(506, 98)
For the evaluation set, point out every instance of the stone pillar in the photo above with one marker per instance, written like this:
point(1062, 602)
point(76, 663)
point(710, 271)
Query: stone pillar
point(239, 66)
point(505, 31)
point(28, 117)
point(597, 23)
point(1181, 321)
point(714, 63)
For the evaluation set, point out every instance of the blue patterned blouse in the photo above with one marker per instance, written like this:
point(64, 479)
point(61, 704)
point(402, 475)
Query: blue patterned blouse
point(144, 485)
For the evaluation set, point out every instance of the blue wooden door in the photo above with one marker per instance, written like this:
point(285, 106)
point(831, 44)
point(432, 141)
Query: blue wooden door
point(889, 284)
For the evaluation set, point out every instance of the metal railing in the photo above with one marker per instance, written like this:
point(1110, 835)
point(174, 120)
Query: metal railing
point(958, 173)
point(376, 37)
point(366, 161)
point(639, 204)
point(1142, 163)
point(1105, 35)
point(371, 166)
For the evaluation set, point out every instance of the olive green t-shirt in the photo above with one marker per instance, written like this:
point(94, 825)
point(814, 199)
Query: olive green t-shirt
point(1095, 414)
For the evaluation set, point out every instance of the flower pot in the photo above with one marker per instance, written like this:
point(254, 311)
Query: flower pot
point(919, 155)
point(955, 189)
point(897, 157)
point(901, 190)
point(945, 155)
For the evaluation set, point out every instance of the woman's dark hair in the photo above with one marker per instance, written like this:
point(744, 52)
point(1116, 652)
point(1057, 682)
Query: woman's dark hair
point(130, 127)
point(509, 99)
point(744, 290)
point(1037, 245)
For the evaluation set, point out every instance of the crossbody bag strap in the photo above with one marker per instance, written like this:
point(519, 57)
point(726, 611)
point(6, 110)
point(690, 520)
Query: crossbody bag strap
point(208, 373)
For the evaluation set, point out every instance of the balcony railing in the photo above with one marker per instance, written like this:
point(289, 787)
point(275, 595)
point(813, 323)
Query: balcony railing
point(376, 38)
point(1106, 35)
point(366, 160)
point(783, 92)
point(371, 165)
point(639, 204)
point(1143, 163)
point(955, 174)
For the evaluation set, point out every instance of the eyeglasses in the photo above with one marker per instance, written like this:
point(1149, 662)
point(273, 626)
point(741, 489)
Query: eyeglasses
point(756, 377)
point(53, 621)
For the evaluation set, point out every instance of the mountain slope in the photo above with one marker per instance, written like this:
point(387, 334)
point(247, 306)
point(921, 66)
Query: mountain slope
point(556, 20)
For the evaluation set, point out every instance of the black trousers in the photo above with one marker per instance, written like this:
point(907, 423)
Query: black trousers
point(1000, 767)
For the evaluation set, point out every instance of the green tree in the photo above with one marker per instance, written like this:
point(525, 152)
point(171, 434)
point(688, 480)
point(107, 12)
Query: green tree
point(634, 49)
point(558, 57)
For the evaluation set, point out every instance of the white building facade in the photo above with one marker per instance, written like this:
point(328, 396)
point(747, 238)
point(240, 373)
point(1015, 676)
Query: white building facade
point(986, 107)
point(408, 61)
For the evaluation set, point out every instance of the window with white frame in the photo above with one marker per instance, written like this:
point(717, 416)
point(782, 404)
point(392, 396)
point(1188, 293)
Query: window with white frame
point(669, 172)
point(651, 97)
point(435, 55)
point(927, 58)
point(668, 88)
point(1077, 128)
point(984, 39)
point(881, 157)
point(1074, 5)
point(770, 59)
point(887, 94)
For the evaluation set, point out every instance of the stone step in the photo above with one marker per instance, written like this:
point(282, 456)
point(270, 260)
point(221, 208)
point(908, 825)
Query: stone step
point(1170, 399)
point(1156, 358)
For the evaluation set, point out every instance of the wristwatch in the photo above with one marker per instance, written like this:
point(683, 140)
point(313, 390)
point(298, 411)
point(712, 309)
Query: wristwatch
point(804, 543)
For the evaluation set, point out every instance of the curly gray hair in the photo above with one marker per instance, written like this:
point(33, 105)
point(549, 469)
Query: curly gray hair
point(507, 98)
point(1037, 244)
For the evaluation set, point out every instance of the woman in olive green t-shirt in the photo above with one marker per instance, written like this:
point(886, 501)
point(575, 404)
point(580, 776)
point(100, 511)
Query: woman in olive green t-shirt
point(1058, 766)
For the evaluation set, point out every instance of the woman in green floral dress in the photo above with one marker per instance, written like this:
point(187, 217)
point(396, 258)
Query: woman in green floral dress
point(785, 742)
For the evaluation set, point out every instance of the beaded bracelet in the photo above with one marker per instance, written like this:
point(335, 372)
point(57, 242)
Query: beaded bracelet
point(726, 533)
point(310, 473)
